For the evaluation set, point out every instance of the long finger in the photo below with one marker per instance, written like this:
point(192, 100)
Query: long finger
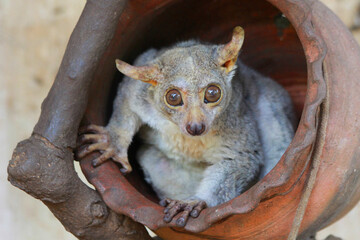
point(197, 209)
point(102, 158)
point(91, 138)
point(173, 211)
point(126, 167)
point(165, 202)
point(171, 204)
point(87, 149)
point(184, 216)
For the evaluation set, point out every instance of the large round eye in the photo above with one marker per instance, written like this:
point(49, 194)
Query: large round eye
point(173, 97)
point(212, 94)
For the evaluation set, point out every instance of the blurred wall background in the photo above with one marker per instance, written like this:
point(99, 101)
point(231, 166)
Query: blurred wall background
point(33, 37)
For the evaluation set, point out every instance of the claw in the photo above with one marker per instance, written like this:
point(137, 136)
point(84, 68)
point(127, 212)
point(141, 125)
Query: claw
point(164, 202)
point(171, 203)
point(182, 209)
point(91, 138)
point(87, 149)
point(198, 208)
point(123, 160)
point(96, 138)
point(103, 157)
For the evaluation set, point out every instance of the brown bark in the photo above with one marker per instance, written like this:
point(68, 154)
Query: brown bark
point(43, 165)
point(47, 173)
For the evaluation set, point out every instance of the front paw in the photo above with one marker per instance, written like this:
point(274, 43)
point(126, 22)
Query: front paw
point(183, 209)
point(96, 138)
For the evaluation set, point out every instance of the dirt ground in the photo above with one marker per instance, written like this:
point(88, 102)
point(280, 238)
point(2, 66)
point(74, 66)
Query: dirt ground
point(33, 37)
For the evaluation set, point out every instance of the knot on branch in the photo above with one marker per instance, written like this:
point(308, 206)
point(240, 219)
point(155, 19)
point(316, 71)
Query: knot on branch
point(46, 172)
point(42, 170)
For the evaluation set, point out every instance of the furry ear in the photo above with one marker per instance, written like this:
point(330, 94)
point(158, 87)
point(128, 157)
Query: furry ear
point(227, 54)
point(148, 74)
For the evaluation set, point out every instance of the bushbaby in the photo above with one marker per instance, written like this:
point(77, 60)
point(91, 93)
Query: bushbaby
point(210, 125)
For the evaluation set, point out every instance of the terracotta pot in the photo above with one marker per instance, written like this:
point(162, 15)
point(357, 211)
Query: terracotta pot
point(315, 58)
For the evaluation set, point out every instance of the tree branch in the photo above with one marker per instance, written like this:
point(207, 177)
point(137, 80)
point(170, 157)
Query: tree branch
point(43, 164)
point(47, 173)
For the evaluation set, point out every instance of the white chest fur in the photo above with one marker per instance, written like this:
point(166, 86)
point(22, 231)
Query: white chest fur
point(185, 149)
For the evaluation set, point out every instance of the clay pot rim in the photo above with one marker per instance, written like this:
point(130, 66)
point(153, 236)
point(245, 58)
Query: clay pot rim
point(280, 180)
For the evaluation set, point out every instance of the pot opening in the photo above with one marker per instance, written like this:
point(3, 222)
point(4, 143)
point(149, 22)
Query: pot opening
point(271, 47)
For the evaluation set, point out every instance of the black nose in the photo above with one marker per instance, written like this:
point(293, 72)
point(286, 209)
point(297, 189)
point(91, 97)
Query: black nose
point(195, 129)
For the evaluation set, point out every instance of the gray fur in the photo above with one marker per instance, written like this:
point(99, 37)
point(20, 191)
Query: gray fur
point(251, 126)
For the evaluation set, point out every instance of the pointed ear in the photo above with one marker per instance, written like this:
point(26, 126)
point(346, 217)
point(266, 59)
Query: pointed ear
point(148, 74)
point(227, 54)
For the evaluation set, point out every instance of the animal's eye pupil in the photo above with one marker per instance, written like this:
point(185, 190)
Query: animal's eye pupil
point(212, 94)
point(173, 97)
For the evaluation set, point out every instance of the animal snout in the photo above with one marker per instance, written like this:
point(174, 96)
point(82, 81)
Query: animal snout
point(195, 129)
